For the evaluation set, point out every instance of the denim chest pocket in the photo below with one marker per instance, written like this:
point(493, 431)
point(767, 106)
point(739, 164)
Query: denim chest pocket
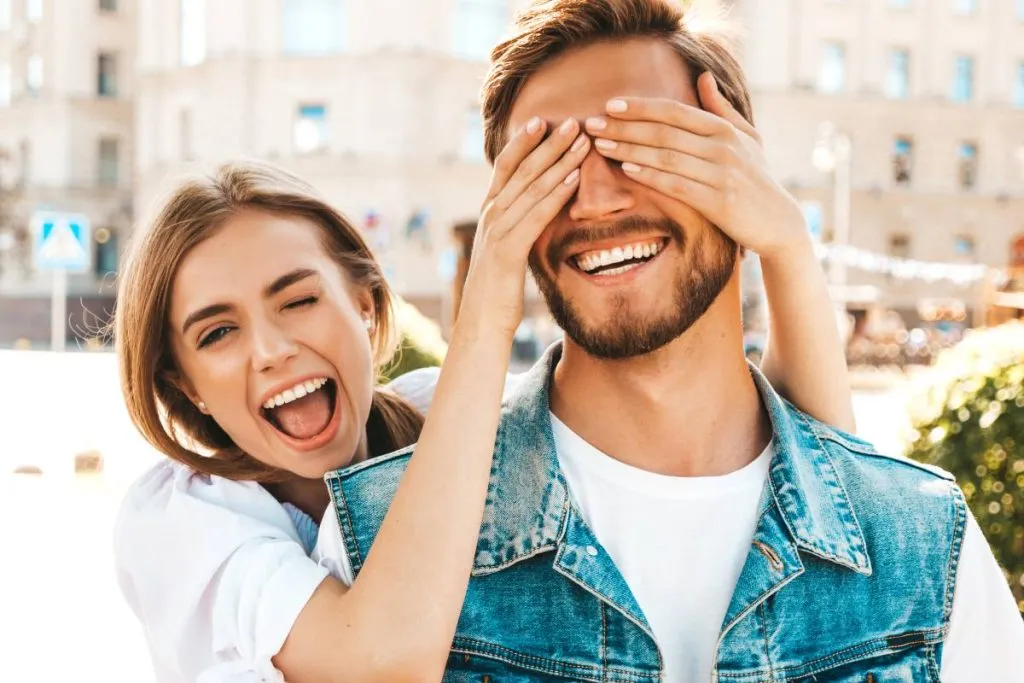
point(475, 668)
point(913, 665)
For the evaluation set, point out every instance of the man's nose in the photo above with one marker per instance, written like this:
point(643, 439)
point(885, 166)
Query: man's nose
point(603, 190)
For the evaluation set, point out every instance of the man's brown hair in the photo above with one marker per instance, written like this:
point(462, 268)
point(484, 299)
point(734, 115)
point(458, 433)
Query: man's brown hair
point(549, 28)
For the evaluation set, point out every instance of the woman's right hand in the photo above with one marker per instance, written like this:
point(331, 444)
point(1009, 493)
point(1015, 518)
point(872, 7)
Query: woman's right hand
point(533, 178)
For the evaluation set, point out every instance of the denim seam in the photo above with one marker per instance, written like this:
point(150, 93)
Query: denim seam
point(764, 635)
point(345, 525)
point(604, 638)
point(871, 648)
point(933, 663)
point(516, 658)
point(955, 546)
point(870, 451)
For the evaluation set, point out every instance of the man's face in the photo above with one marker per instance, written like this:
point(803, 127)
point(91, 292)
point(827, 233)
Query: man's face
point(610, 307)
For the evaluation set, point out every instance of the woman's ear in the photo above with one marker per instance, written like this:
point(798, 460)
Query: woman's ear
point(181, 383)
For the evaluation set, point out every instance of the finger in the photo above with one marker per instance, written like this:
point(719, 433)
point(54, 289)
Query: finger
point(652, 134)
point(672, 112)
point(540, 215)
point(566, 169)
point(712, 99)
point(521, 144)
point(702, 198)
point(662, 159)
point(537, 163)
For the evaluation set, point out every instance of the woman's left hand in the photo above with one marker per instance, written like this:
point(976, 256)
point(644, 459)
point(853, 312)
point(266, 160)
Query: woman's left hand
point(710, 159)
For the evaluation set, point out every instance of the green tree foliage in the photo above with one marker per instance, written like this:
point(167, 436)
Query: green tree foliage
point(969, 420)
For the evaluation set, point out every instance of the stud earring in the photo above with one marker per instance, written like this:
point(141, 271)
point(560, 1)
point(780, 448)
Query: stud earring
point(368, 324)
point(201, 406)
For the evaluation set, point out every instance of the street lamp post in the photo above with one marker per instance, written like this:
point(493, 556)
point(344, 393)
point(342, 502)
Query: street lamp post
point(832, 154)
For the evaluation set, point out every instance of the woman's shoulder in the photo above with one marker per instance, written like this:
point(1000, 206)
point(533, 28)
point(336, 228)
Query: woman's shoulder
point(174, 501)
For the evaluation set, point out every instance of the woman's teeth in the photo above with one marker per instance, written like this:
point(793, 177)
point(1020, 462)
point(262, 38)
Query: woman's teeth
point(298, 391)
point(590, 261)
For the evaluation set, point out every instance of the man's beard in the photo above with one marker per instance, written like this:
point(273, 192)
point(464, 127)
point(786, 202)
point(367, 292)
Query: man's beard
point(628, 333)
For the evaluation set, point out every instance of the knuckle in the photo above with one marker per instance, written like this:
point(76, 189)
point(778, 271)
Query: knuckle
point(666, 157)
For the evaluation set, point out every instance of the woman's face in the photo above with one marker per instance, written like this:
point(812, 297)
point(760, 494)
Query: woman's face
point(271, 338)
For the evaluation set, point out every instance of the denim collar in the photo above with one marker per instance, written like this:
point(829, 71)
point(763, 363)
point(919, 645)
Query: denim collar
point(528, 508)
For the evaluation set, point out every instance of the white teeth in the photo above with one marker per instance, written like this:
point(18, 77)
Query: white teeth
point(298, 391)
point(593, 260)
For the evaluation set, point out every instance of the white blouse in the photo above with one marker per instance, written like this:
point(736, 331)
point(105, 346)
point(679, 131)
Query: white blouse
point(218, 570)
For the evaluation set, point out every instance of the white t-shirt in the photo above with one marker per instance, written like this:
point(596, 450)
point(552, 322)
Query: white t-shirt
point(680, 544)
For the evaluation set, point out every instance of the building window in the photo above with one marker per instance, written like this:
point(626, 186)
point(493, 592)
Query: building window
point(34, 74)
point(106, 253)
point(479, 26)
point(897, 80)
point(5, 85)
point(192, 27)
point(965, 7)
point(963, 79)
point(968, 165)
point(1018, 95)
point(108, 5)
point(185, 130)
point(963, 246)
point(34, 11)
point(313, 26)
point(109, 166)
point(473, 136)
point(832, 77)
point(106, 75)
point(310, 132)
point(899, 246)
point(902, 160)
point(5, 15)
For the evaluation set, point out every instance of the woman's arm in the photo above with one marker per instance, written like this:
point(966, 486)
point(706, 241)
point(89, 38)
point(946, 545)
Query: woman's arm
point(397, 621)
point(804, 357)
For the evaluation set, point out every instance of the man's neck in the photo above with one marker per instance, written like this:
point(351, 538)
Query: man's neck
point(690, 408)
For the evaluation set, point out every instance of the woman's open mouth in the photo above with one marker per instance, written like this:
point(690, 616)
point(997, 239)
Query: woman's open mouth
point(618, 260)
point(306, 415)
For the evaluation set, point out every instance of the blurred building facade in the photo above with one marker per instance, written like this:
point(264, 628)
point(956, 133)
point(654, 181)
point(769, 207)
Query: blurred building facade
point(930, 96)
point(376, 103)
point(66, 137)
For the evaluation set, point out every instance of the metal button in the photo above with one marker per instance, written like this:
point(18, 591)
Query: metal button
point(592, 551)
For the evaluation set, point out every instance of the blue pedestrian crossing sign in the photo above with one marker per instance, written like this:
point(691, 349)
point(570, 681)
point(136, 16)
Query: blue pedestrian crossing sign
point(62, 241)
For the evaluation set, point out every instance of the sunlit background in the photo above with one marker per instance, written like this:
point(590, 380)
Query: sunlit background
point(898, 124)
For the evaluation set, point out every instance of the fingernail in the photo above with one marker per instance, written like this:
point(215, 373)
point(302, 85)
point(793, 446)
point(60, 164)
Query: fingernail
point(572, 177)
point(630, 167)
point(602, 143)
point(596, 123)
point(578, 145)
point(616, 106)
point(533, 126)
point(567, 126)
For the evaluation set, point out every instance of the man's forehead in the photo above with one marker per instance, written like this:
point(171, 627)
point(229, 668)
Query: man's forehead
point(579, 82)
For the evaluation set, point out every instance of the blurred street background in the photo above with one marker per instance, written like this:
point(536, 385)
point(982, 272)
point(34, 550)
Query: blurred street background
point(898, 125)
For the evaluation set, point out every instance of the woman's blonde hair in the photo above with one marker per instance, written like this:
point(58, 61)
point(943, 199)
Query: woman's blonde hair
point(149, 377)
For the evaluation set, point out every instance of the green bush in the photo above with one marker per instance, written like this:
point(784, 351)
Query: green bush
point(969, 420)
point(422, 345)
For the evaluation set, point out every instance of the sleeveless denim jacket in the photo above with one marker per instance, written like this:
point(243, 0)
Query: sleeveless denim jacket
point(849, 577)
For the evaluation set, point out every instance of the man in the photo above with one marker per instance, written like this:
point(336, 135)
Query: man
point(657, 512)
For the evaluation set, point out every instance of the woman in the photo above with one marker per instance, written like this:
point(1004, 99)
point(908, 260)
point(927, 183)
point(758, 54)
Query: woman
point(252, 320)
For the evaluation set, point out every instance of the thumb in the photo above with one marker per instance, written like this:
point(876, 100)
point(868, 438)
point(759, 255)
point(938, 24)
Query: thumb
point(712, 100)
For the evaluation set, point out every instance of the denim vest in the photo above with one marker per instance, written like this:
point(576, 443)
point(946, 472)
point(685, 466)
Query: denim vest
point(849, 576)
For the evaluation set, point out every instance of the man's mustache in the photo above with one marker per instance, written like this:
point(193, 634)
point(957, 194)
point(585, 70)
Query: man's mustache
point(630, 225)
